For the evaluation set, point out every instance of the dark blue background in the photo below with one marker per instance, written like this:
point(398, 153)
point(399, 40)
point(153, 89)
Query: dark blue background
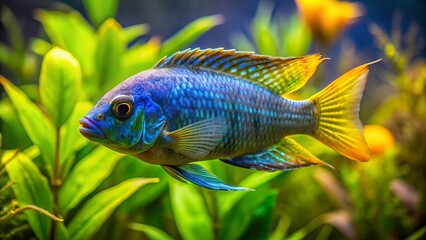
point(165, 17)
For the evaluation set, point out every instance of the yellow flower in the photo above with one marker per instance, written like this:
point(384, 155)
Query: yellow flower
point(328, 18)
point(378, 138)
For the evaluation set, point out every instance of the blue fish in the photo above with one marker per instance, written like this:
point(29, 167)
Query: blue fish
point(208, 104)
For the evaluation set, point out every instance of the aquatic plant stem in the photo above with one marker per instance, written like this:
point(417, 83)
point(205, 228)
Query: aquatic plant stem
point(56, 182)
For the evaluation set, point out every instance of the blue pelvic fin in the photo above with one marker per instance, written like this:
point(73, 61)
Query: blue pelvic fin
point(197, 175)
point(197, 140)
point(280, 75)
point(286, 155)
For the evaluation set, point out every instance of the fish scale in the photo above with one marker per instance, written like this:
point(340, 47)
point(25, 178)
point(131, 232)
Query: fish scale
point(256, 117)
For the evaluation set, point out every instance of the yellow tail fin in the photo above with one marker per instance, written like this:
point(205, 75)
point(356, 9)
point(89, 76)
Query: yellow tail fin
point(339, 126)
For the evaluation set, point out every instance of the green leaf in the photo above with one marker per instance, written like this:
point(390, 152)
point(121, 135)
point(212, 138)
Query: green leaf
point(98, 13)
point(37, 125)
point(31, 188)
point(190, 213)
point(237, 220)
point(227, 201)
point(111, 46)
point(241, 42)
point(296, 37)
point(140, 57)
point(71, 139)
point(5, 56)
point(263, 31)
point(261, 217)
point(86, 176)
point(189, 34)
point(130, 167)
point(151, 232)
point(71, 32)
point(97, 210)
point(60, 84)
point(11, 127)
point(40, 46)
point(135, 31)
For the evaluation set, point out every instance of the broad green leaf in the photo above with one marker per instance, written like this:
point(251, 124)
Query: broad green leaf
point(135, 31)
point(261, 217)
point(71, 139)
point(11, 127)
point(97, 210)
point(140, 57)
point(86, 176)
point(111, 46)
point(190, 213)
point(263, 31)
point(5, 55)
point(71, 32)
point(189, 34)
point(13, 29)
point(151, 232)
point(227, 201)
point(296, 37)
point(36, 124)
point(98, 13)
point(31, 188)
point(237, 220)
point(60, 84)
point(40, 46)
point(130, 167)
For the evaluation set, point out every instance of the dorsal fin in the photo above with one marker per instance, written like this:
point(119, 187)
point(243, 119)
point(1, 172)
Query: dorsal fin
point(280, 75)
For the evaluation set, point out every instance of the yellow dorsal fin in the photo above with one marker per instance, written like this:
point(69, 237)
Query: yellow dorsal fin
point(280, 75)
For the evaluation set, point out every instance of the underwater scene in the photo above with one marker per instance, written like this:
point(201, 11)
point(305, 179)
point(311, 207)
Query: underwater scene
point(200, 119)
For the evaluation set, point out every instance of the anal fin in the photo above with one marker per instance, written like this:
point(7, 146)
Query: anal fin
point(199, 176)
point(286, 155)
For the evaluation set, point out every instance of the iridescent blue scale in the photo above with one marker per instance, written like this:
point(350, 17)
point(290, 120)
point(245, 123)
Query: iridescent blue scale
point(256, 117)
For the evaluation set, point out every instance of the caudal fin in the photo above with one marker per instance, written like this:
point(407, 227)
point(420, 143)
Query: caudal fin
point(339, 126)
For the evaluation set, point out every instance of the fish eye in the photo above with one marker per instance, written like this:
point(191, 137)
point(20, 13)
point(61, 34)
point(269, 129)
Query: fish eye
point(122, 107)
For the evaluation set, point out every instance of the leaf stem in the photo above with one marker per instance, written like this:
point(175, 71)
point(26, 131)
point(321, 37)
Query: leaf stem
point(56, 181)
point(35, 208)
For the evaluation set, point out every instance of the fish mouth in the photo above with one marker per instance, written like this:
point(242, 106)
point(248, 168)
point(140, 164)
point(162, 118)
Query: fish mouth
point(90, 130)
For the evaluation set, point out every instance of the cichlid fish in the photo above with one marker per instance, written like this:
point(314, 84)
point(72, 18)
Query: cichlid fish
point(223, 104)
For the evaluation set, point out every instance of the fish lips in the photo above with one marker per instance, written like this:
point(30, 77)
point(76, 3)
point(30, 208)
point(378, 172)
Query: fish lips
point(90, 130)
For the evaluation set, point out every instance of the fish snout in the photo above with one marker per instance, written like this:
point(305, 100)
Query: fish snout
point(90, 129)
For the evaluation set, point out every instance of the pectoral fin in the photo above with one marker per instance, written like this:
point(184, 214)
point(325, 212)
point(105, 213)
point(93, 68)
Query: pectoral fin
point(197, 140)
point(199, 176)
point(286, 155)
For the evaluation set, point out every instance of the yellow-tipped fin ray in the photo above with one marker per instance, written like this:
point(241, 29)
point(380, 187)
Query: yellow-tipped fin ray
point(337, 107)
point(286, 155)
point(197, 140)
point(280, 75)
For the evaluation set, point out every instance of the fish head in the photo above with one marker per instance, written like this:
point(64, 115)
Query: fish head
point(128, 123)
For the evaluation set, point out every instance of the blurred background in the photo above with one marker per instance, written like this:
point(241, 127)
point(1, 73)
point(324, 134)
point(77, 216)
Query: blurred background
point(112, 40)
point(165, 16)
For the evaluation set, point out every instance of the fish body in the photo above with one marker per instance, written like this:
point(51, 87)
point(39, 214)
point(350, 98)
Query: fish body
point(253, 123)
point(221, 104)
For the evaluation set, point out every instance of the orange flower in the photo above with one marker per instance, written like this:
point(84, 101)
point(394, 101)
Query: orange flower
point(328, 18)
point(378, 138)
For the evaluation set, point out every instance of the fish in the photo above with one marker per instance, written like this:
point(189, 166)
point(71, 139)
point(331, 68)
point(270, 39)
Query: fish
point(207, 104)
